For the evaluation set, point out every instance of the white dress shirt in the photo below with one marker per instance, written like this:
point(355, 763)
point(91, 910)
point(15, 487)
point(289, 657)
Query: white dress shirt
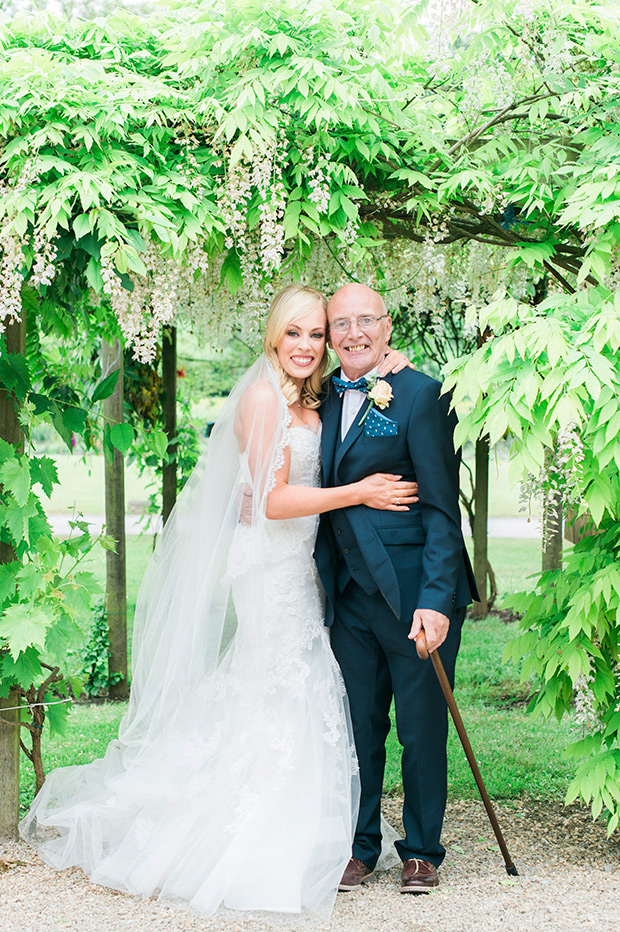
point(352, 402)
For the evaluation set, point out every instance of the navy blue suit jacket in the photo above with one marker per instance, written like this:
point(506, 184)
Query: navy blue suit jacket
point(415, 558)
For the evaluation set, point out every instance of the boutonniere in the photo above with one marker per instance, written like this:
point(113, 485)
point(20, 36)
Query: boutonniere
point(379, 393)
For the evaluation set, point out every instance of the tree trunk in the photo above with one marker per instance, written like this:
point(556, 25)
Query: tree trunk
point(480, 530)
point(116, 587)
point(169, 370)
point(9, 734)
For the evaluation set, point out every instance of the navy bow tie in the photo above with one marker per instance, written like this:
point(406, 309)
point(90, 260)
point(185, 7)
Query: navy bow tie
point(342, 386)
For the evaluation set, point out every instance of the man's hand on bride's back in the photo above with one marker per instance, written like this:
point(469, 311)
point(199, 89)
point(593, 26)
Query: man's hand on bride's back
point(387, 492)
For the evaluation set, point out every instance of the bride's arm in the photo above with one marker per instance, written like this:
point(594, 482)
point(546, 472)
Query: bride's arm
point(257, 423)
point(381, 490)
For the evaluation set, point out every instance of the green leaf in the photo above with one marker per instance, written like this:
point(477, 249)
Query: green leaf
point(29, 580)
point(81, 225)
point(93, 275)
point(74, 419)
point(105, 387)
point(121, 437)
point(8, 580)
point(15, 477)
point(108, 449)
point(60, 636)
point(158, 442)
point(23, 670)
point(24, 626)
point(17, 518)
point(44, 472)
point(7, 450)
point(14, 374)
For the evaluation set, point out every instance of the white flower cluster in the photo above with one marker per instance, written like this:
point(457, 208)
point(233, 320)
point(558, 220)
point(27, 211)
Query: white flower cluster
point(267, 179)
point(262, 177)
point(487, 83)
point(558, 484)
point(317, 179)
point(190, 169)
point(613, 279)
point(586, 714)
point(11, 280)
point(12, 258)
point(28, 176)
point(351, 233)
point(554, 48)
point(45, 252)
point(234, 201)
point(152, 302)
point(434, 260)
point(496, 201)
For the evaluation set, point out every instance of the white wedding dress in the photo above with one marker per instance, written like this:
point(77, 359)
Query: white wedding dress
point(233, 784)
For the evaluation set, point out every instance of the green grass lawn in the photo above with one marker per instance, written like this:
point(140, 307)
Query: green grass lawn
point(81, 485)
point(519, 756)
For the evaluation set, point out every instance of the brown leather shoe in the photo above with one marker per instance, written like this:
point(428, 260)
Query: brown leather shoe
point(418, 876)
point(354, 875)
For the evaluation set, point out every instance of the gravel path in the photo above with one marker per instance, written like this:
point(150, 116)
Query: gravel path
point(569, 881)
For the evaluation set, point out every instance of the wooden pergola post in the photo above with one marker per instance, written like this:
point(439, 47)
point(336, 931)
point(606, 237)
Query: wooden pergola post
point(169, 374)
point(116, 583)
point(10, 431)
point(481, 526)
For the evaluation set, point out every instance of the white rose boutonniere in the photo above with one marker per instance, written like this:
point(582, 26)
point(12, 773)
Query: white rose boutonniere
point(379, 393)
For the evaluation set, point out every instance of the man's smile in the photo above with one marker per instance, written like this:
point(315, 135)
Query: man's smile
point(358, 348)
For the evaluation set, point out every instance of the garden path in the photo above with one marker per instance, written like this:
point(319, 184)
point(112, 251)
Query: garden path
point(518, 526)
point(569, 880)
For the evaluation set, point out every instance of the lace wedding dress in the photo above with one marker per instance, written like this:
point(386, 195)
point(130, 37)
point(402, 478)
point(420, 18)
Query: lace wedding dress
point(233, 780)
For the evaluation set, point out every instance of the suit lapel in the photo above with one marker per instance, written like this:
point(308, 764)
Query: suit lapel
point(330, 416)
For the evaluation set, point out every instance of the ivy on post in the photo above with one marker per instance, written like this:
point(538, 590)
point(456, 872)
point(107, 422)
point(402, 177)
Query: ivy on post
point(10, 432)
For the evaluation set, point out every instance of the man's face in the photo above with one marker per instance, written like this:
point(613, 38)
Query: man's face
point(359, 347)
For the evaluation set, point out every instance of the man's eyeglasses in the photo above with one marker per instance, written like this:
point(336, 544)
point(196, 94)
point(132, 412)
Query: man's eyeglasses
point(367, 322)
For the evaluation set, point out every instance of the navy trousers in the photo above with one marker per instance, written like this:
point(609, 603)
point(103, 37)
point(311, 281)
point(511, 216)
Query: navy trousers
point(377, 661)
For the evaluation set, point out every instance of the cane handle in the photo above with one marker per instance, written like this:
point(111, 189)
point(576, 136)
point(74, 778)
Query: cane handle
point(420, 645)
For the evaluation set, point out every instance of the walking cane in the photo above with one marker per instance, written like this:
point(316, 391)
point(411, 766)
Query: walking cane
point(423, 654)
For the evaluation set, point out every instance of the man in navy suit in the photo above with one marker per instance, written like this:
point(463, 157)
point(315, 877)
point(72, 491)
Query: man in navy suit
point(387, 575)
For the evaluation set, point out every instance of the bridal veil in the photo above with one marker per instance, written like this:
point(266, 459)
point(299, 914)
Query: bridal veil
point(233, 778)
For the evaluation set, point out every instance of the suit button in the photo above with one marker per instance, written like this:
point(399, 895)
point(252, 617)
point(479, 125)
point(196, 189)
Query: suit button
point(337, 530)
point(346, 549)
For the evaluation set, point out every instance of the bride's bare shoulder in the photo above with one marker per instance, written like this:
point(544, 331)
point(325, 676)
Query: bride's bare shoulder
point(260, 400)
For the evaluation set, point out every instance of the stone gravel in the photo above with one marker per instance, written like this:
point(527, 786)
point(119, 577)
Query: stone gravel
point(569, 880)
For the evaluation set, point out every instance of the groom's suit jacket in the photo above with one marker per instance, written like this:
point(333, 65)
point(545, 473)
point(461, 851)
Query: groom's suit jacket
point(417, 557)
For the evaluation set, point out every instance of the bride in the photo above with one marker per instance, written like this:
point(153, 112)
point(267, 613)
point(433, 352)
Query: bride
point(233, 779)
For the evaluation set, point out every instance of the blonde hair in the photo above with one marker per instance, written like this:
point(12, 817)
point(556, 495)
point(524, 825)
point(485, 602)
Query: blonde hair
point(291, 303)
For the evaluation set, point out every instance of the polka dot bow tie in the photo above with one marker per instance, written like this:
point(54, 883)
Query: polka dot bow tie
point(342, 386)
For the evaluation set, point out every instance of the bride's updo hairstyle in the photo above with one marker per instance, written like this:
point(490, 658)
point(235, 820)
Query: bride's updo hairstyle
point(292, 303)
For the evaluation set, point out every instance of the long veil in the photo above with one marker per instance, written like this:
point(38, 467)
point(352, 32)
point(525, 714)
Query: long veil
point(172, 807)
